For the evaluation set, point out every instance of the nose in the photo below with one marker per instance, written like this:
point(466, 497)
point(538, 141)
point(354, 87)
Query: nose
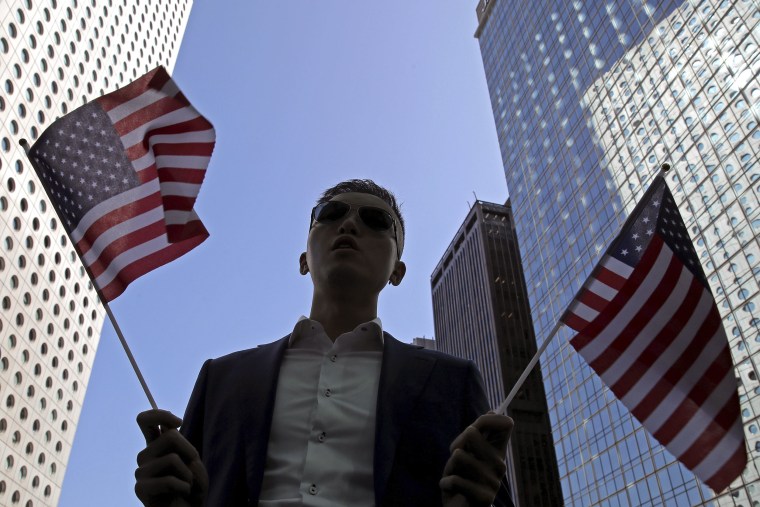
point(348, 223)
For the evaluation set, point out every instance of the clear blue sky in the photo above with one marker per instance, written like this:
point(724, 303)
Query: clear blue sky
point(303, 94)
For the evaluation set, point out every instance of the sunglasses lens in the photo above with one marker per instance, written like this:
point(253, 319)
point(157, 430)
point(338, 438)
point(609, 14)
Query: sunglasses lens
point(330, 211)
point(376, 218)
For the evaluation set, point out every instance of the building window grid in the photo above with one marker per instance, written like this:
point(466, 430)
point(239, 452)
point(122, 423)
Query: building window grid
point(24, 125)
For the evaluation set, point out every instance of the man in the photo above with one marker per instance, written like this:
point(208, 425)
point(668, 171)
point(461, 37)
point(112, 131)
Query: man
point(337, 413)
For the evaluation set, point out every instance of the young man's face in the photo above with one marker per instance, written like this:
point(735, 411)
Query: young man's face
point(365, 267)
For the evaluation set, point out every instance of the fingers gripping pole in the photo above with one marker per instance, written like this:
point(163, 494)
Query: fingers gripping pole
point(115, 324)
point(503, 407)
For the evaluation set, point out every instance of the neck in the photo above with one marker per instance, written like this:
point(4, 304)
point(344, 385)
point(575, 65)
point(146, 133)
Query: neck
point(340, 315)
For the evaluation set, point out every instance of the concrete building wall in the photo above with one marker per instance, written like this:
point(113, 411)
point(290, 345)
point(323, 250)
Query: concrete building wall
point(55, 55)
point(480, 311)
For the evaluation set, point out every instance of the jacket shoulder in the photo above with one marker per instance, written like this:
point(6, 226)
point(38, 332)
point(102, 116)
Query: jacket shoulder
point(441, 359)
point(446, 359)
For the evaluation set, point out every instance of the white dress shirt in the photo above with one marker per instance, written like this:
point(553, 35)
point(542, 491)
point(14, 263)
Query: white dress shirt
point(321, 445)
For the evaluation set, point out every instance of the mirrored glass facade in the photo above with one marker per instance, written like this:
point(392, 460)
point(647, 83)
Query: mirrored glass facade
point(589, 98)
point(55, 55)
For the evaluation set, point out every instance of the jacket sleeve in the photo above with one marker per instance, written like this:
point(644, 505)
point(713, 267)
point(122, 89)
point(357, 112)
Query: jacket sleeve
point(211, 426)
point(476, 404)
point(192, 422)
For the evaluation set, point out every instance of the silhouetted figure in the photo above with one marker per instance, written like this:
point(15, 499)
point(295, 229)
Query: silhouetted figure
point(338, 412)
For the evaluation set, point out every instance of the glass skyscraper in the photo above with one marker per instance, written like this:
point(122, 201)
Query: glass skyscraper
point(55, 55)
point(589, 98)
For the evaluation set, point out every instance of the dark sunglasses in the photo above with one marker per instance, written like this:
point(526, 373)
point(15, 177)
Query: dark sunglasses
point(375, 218)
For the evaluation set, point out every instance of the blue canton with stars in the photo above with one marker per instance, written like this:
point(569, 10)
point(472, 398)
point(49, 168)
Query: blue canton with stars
point(82, 162)
point(656, 213)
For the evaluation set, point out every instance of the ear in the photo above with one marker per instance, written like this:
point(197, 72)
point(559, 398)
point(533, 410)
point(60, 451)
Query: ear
point(398, 273)
point(304, 268)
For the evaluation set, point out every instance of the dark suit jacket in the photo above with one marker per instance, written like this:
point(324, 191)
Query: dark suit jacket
point(425, 400)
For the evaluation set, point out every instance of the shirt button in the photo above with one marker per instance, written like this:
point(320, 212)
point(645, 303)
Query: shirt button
point(333, 358)
point(322, 437)
point(313, 489)
point(328, 392)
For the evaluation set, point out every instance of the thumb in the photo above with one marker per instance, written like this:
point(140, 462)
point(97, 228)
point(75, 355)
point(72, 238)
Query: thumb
point(155, 421)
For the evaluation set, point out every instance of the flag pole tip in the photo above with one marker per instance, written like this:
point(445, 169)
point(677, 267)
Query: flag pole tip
point(25, 146)
point(665, 167)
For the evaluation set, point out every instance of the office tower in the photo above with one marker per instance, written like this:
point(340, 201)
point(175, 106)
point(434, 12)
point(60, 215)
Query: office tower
point(425, 343)
point(56, 55)
point(481, 312)
point(589, 98)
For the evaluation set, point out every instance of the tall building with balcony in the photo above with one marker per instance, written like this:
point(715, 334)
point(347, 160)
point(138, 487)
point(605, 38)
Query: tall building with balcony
point(55, 55)
point(589, 98)
point(480, 312)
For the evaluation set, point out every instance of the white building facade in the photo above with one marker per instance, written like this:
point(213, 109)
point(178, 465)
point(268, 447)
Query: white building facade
point(55, 55)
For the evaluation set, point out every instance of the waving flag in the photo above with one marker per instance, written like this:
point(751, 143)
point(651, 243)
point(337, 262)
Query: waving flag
point(648, 325)
point(124, 171)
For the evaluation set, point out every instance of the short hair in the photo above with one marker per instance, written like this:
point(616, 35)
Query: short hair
point(366, 187)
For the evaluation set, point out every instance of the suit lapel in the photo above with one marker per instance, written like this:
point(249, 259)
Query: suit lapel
point(261, 375)
point(402, 376)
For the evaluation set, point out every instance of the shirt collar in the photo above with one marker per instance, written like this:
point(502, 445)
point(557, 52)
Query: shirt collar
point(307, 330)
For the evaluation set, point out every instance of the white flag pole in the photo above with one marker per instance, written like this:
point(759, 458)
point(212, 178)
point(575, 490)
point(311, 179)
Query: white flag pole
point(503, 407)
point(111, 316)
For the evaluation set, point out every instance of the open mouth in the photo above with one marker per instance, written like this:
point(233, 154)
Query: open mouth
point(345, 243)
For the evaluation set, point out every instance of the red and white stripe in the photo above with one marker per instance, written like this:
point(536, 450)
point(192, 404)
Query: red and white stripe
point(601, 288)
point(169, 144)
point(655, 337)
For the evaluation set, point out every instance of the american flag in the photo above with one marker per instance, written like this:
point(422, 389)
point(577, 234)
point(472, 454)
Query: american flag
point(124, 171)
point(648, 325)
